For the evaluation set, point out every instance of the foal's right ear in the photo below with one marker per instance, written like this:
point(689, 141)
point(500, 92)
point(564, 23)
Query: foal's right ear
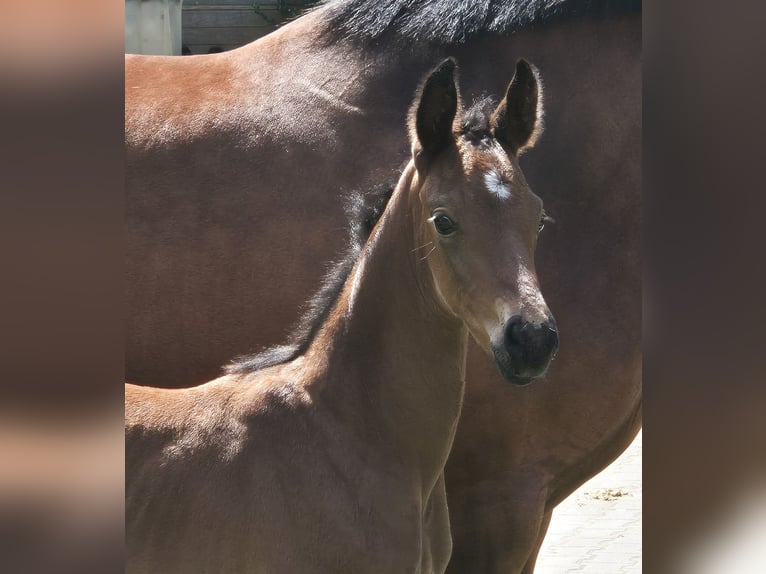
point(433, 113)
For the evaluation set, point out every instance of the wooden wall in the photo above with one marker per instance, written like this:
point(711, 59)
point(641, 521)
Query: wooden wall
point(229, 24)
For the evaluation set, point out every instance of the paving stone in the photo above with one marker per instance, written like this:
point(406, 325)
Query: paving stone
point(597, 530)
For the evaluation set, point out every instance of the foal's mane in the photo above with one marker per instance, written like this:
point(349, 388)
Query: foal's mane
point(364, 210)
point(455, 21)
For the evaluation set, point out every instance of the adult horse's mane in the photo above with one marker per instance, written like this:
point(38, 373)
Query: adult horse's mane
point(455, 21)
point(363, 209)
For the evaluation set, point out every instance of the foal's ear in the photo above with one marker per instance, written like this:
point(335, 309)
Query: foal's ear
point(433, 113)
point(518, 120)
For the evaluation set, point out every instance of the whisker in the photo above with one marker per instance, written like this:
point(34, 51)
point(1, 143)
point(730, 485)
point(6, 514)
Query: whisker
point(427, 254)
point(421, 247)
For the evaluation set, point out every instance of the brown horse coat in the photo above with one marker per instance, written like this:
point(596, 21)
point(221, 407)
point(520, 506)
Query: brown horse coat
point(333, 461)
point(235, 163)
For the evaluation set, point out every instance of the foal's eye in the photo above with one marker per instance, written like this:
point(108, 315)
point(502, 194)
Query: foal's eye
point(443, 224)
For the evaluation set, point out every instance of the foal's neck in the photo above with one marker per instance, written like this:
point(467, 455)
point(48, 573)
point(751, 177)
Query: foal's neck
point(394, 359)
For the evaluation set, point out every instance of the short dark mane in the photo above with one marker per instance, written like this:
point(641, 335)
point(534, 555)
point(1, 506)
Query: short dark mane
point(455, 21)
point(364, 210)
point(476, 120)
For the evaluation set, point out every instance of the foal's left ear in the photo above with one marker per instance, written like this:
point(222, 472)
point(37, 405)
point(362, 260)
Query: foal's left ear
point(518, 120)
point(433, 112)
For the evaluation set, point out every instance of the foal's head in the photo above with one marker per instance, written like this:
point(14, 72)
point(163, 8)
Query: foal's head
point(482, 219)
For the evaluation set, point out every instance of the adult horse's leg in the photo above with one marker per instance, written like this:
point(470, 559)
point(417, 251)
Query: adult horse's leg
point(529, 567)
point(502, 521)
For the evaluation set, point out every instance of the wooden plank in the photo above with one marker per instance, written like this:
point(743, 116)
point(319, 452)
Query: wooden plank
point(221, 36)
point(245, 18)
point(266, 4)
point(229, 23)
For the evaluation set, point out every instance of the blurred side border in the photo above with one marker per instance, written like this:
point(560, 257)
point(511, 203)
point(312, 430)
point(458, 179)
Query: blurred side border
point(61, 305)
point(704, 311)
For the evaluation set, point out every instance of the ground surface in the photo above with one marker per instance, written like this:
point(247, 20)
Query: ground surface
point(598, 528)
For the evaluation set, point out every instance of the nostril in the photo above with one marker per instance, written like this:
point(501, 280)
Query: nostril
point(514, 331)
point(529, 345)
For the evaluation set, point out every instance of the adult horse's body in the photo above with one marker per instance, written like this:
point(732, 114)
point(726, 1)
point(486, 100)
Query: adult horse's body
point(332, 460)
point(234, 162)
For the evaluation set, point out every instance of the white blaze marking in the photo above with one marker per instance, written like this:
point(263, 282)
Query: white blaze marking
point(496, 186)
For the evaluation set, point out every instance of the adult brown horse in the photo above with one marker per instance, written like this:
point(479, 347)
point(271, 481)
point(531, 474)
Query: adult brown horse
point(334, 460)
point(234, 162)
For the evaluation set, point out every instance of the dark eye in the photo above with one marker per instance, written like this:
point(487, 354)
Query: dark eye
point(443, 224)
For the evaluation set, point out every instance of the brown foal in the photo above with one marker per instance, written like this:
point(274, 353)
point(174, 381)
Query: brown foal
point(333, 460)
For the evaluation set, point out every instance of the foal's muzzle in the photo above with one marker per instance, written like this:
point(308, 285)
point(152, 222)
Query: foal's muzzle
point(526, 350)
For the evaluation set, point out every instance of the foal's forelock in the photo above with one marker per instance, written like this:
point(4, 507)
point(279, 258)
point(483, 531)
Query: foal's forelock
point(475, 126)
